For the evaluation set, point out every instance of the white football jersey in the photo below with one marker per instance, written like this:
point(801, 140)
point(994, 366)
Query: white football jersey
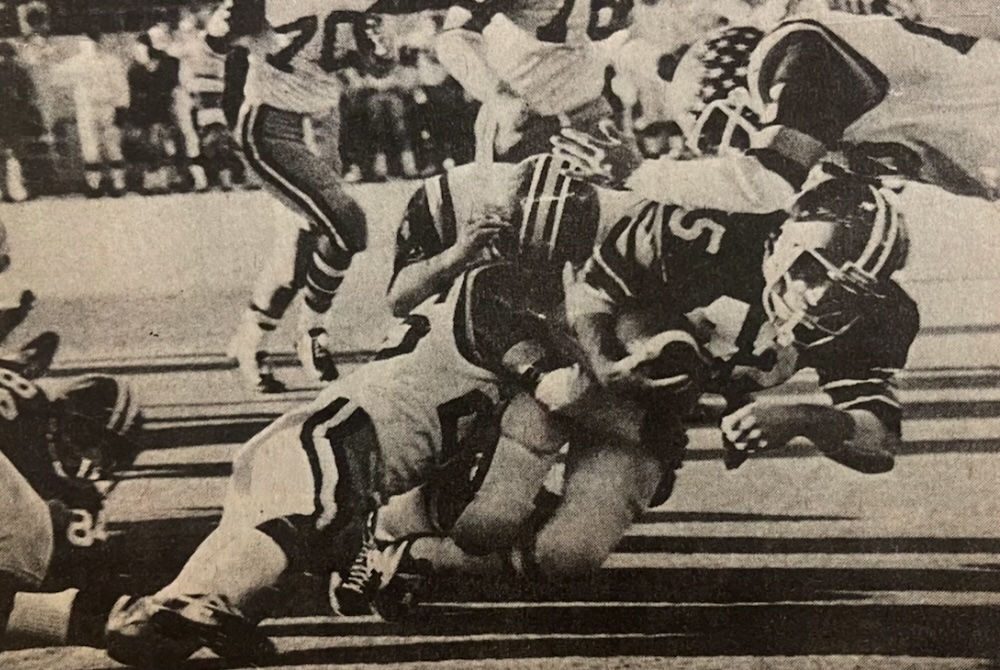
point(424, 396)
point(943, 96)
point(294, 63)
point(541, 49)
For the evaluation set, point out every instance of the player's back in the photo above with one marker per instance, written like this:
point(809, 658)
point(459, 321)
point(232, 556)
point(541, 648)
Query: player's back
point(934, 91)
point(295, 56)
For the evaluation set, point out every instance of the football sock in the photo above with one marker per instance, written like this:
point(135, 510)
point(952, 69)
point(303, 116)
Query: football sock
point(322, 282)
point(39, 619)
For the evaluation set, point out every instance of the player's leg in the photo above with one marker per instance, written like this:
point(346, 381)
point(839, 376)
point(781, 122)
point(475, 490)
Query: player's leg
point(276, 147)
point(323, 272)
point(90, 150)
point(607, 487)
point(276, 287)
point(528, 447)
point(297, 501)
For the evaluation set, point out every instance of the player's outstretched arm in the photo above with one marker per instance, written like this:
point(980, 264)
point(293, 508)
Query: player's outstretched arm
point(422, 267)
point(854, 438)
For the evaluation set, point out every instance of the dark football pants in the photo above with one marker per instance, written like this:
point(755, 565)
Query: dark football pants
point(307, 179)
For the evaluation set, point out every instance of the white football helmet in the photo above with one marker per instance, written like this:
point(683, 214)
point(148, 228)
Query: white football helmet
point(708, 94)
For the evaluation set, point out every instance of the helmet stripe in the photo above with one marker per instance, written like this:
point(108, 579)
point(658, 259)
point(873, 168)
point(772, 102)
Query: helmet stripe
point(528, 217)
point(875, 236)
point(555, 219)
point(891, 216)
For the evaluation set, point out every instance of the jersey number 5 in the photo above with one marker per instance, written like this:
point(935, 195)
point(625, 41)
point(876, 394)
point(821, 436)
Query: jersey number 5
point(692, 225)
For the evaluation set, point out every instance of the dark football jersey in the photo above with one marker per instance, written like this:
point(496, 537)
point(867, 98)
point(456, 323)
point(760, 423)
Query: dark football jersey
point(25, 423)
point(701, 269)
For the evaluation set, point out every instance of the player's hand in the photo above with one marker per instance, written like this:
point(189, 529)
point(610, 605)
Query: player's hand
point(218, 25)
point(757, 427)
point(606, 160)
point(481, 233)
point(741, 431)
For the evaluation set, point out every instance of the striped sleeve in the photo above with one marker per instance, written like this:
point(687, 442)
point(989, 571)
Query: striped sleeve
point(857, 371)
point(622, 264)
point(873, 394)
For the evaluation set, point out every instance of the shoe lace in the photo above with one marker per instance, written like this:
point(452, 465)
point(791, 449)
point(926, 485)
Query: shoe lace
point(360, 573)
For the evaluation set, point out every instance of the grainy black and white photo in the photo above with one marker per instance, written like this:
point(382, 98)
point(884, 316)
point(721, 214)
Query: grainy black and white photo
point(500, 334)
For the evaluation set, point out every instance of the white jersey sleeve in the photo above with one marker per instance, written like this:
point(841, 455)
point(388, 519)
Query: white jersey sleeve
point(730, 183)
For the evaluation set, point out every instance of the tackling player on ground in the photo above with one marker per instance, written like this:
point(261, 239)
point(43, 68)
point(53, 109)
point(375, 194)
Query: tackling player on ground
point(302, 490)
point(677, 302)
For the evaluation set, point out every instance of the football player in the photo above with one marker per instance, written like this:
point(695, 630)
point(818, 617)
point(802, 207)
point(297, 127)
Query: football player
point(302, 490)
point(829, 303)
point(670, 306)
point(292, 81)
point(786, 99)
point(455, 222)
point(536, 66)
point(60, 448)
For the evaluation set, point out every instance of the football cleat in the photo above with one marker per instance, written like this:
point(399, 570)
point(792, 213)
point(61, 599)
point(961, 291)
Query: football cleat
point(316, 356)
point(162, 632)
point(350, 596)
point(253, 365)
point(398, 582)
point(35, 358)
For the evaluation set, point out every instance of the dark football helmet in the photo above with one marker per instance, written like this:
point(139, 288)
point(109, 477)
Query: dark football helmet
point(843, 239)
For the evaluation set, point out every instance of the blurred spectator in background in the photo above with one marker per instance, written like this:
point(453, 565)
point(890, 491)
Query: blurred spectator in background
point(388, 139)
point(200, 116)
point(101, 97)
point(440, 117)
point(152, 80)
point(20, 121)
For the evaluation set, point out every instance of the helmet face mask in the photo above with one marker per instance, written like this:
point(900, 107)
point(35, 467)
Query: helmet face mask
point(810, 301)
point(708, 94)
point(724, 126)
